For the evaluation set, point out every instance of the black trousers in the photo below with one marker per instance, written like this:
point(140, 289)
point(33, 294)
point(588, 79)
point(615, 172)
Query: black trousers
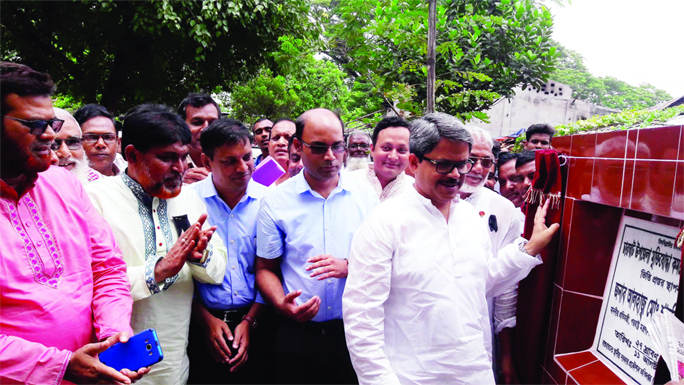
point(312, 353)
point(259, 366)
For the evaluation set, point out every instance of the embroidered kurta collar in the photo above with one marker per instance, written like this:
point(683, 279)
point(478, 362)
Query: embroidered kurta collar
point(137, 190)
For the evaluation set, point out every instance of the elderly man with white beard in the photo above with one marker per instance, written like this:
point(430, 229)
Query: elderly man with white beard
point(68, 146)
point(502, 219)
point(358, 147)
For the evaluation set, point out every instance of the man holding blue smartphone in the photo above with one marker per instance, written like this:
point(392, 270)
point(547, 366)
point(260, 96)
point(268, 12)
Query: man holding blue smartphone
point(62, 278)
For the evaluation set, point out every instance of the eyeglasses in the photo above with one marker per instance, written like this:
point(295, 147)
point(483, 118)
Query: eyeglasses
point(486, 161)
point(72, 143)
point(38, 127)
point(323, 149)
point(446, 166)
point(91, 139)
point(492, 176)
point(362, 146)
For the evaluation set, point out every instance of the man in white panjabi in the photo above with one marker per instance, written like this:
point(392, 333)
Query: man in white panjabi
point(420, 269)
point(390, 150)
point(159, 228)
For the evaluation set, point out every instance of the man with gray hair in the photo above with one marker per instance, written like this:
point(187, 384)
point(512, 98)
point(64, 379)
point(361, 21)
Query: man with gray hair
point(420, 269)
point(68, 146)
point(358, 145)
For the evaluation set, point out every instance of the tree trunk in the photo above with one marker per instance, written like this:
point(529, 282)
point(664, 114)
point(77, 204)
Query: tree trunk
point(432, 35)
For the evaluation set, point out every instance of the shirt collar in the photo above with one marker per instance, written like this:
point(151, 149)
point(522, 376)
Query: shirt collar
point(137, 189)
point(301, 185)
point(207, 189)
point(26, 184)
point(428, 203)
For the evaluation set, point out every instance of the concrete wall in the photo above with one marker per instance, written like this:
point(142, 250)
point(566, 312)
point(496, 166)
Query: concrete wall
point(552, 104)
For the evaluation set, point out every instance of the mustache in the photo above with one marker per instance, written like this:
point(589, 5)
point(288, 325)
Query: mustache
point(450, 181)
point(41, 144)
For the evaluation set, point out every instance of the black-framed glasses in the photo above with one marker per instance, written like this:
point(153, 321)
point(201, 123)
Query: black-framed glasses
point(362, 146)
point(91, 139)
point(38, 127)
point(320, 149)
point(446, 166)
point(72, 143)
point(485, 161)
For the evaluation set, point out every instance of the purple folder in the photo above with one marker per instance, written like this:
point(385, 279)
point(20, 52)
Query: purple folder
point(267, 172)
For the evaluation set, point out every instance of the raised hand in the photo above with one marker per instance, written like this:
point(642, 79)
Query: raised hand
point(195, 174)
point(174, 260)
point(202, 240)
point(541, 234)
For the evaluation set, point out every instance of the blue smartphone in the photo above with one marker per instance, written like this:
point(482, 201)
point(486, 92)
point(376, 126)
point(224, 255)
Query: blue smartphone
point(141, 350)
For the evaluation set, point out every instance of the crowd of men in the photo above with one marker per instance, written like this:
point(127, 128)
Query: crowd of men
point(387, 258)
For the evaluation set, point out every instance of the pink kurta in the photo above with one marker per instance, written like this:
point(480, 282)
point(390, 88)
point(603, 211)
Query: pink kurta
point(63, 283)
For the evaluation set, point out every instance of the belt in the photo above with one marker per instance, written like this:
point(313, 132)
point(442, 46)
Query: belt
point(231, 315)
point(335, 326)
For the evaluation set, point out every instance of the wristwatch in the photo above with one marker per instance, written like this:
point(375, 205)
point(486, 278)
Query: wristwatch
point(521, 247)
point(250, 320)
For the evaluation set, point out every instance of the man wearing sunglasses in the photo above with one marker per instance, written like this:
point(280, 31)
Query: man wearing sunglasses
point(415, 308)
point(63, 282)
point(68, 146)
point(538, 137)
point(304, 232)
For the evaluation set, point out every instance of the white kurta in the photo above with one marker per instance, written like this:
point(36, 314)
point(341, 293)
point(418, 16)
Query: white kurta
point(144, 236)
point(415, 309)
point(393, 188)
point(506, 231)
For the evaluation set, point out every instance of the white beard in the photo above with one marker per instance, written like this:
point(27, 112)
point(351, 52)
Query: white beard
point(468, 189)
point(81, 170)
point(357, 163)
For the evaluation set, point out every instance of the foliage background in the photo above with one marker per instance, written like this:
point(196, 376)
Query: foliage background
point(605, 91)
point(281, 57)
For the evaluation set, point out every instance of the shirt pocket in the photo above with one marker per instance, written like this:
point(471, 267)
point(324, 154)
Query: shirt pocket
point(248, 253)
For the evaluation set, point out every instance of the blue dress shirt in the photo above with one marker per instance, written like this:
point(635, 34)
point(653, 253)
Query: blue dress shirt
point(297, 223)
point(237, 229)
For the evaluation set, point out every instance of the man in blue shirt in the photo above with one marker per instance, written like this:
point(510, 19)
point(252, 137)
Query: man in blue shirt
point(228, 312)
point(304, 232)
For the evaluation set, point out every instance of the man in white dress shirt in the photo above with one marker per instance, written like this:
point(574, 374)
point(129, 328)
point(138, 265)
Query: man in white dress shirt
point(159, 228)
point(420, 269)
